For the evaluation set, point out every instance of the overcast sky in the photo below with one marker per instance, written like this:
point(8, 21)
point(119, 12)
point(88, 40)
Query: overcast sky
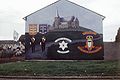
point(12, 12)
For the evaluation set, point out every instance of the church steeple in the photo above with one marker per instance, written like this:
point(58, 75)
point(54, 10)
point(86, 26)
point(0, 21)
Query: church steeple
point(76, 23)
point(57, 13)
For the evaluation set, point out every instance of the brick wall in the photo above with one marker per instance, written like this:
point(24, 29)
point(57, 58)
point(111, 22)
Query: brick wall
point(112, 50)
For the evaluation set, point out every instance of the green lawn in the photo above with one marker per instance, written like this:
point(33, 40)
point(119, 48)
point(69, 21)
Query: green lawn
point(60, 68)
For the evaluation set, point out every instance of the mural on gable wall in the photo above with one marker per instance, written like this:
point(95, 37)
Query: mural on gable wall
point(63, 39)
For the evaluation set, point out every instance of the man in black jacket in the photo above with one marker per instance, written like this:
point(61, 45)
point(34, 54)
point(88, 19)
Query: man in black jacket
point(42, 43)
point(32, 43)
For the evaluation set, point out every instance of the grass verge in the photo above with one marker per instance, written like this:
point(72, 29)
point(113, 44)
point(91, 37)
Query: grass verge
point(60, 68)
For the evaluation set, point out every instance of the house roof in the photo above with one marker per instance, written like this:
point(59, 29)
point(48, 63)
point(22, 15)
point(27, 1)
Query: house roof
point(68, 1)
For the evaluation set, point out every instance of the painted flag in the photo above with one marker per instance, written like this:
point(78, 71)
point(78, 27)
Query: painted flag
point(15, 35)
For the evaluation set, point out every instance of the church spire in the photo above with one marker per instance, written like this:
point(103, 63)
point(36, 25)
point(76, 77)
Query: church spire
point(57, 13)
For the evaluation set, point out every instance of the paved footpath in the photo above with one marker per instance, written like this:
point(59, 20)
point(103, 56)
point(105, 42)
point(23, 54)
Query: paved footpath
point(60, 78)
